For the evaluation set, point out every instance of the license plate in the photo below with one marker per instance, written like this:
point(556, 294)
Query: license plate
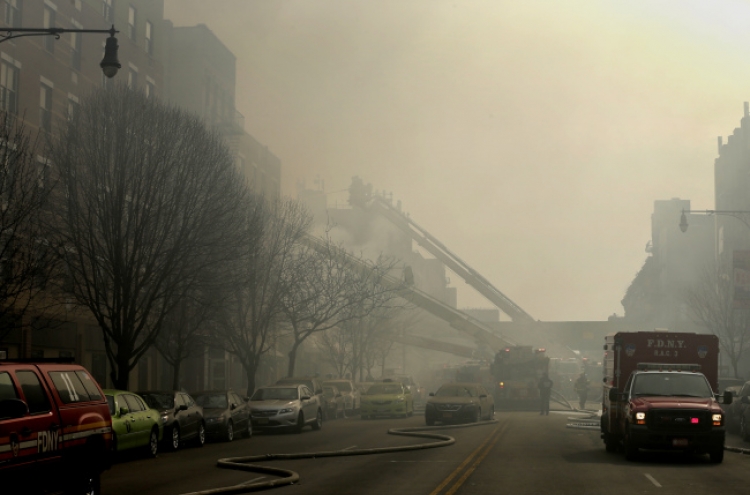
point(679, 442)
point(262, 421)
point(447, 415)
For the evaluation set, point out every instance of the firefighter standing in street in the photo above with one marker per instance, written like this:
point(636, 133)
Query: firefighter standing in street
point(545, 390)
point(582, 389)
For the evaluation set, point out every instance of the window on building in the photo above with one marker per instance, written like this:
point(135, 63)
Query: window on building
point(131, 22)
point(150, 88)
point(108, 11)
point(43, 172)
point(149, 40)
point(72, 106)
point(49, 22)
point(8, 87)
point(132, 78)
point(75, 50)
point(13, 12)
point(45, 107)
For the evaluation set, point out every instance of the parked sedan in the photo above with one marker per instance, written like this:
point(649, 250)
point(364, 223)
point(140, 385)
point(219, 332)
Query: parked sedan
point(224, 413)
point(459, 402)
point(184, 417)
point(389, 398)
point(134, 423)
point(286, 407)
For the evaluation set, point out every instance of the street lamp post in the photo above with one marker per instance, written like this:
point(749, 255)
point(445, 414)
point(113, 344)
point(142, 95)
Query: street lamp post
point(109, 64)
point(741, 215)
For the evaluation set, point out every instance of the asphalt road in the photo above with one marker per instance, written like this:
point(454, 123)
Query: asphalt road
point(520, 453)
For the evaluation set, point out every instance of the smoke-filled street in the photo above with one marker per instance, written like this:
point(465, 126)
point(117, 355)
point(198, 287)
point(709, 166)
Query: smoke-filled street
point(520, 453)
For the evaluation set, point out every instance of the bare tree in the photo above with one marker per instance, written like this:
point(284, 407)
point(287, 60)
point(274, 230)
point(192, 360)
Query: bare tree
point(255, 301)
point(185, 331)
point(26, 260)
point(150, 200)
point(326, 289)
point(377, 300)
point(711, 305)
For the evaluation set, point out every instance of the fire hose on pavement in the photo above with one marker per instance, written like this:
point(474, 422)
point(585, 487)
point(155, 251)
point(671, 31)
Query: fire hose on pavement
point(288, 477)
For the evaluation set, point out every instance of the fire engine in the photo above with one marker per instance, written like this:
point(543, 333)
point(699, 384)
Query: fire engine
point(516, 371)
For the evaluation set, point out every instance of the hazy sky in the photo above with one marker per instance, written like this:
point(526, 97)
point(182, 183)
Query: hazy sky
point(532, 138)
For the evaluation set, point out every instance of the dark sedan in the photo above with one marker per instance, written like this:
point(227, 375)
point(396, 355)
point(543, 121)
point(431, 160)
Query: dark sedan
point(225, 413)
point(184, 418)
point(459, 402)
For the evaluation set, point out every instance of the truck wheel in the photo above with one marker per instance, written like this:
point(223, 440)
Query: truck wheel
point(717, 455)
point(631, 450)
point(610, 444)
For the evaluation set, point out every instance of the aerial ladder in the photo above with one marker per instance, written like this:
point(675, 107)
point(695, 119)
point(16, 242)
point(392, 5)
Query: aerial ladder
point(361, 195)
point(457, 319)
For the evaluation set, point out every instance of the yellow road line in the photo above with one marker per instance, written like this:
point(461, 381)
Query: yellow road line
point(468, 472)
point(463, 464)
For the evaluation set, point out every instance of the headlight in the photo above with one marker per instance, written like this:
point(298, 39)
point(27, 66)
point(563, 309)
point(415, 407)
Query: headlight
point(164, 418)
point(284, 411)
point(717, 419)
point(640, 418)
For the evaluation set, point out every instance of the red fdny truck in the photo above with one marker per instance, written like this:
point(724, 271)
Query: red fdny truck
point(659, 393)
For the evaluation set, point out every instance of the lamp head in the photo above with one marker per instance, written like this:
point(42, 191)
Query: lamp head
point(683, 222)
point(109, 64)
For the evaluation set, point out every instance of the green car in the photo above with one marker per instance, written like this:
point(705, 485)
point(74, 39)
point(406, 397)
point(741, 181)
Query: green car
point(134, 424)
point(387, 398)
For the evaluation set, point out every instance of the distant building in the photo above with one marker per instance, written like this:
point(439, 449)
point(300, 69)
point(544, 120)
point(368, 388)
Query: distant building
point(657, 296)
point(201, 78)
point(732, 190)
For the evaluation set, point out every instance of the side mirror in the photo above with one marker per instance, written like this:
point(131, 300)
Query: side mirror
point(13, 409)
point(728, 397)
point(233, 406)
point(482, 396)
point(124, 411)
point(614, 396)
point(432, 394)
point(305, 397)
point(182, 407)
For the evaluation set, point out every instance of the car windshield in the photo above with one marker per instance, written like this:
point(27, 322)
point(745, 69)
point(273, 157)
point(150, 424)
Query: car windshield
point(276, 394)
point(212, 401)
point(385, 389)
point(159, 401)
point(671, 384)
point(454, 391)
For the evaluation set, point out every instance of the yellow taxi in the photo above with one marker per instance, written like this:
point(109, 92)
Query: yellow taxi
point(387, 398)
